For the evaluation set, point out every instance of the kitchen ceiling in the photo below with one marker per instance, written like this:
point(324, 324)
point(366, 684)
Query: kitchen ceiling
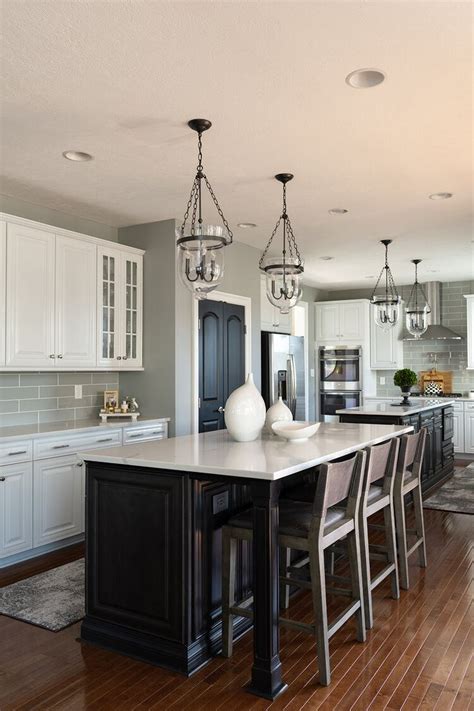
point(120, 80)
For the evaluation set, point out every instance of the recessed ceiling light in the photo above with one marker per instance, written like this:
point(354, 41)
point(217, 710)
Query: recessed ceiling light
point(365, 78)
point(326, 259)
point(440, 196)
point(246, 225)
point(78, 156)
point(337, 211)
point(432, 271)
point(370, 276)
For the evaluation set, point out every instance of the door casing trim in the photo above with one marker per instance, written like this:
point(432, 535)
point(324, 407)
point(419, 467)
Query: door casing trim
point(237, 300)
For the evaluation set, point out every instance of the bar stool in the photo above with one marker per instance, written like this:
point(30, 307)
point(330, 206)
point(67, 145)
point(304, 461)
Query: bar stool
point(377, 495)
point(408, 479)
point(310, 528)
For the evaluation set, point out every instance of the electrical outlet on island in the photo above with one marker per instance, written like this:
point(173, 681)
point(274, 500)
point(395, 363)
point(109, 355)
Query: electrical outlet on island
point(78, 392)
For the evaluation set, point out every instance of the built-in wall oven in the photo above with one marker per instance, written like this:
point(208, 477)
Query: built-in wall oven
point(340, 380)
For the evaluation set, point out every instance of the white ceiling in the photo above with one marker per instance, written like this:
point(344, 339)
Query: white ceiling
point(120, 80)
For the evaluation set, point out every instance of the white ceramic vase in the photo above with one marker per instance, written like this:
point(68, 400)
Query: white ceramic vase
point(278, 412)
point(244, 412)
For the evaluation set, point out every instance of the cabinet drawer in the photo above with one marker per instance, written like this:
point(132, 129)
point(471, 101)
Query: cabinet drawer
point(12, 452)
point(158, 431)
point(458, 406)
point(59, 446)
point(468, 406)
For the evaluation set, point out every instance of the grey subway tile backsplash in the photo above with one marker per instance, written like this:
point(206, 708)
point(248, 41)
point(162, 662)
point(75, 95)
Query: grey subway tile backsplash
point(32, 398)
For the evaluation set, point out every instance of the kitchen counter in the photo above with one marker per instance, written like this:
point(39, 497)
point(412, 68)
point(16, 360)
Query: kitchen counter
point(154, 514)
point(387, 409)
point(268, 457)
point(21, 432)
point(394, 398)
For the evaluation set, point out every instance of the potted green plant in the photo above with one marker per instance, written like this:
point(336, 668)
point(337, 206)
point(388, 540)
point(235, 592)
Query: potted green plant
point(405, 379)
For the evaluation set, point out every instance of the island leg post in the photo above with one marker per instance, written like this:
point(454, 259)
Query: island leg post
point(266, 670)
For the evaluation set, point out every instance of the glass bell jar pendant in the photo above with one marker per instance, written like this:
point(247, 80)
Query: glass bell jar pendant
point(417, 309)
point(386, 306)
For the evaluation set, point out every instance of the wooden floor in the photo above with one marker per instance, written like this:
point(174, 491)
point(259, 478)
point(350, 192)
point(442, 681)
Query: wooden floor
point(419, 654)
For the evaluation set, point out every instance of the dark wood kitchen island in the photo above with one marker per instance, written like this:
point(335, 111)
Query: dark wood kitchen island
point(153, 549)
point(435, 415)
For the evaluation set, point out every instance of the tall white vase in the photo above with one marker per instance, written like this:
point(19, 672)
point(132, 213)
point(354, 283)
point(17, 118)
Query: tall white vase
point(278, 412)
point(244, 412)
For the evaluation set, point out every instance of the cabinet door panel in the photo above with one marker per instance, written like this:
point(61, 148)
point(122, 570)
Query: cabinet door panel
point(15, 508)
point(30, 297)
point(132, 303)
point(458, 431)
point(110, 320)
point(469, 432)
point(327, 322)
point(76, 293)
point(58, 500)
point(386, 348)
point(352, 318)
point(3, 293)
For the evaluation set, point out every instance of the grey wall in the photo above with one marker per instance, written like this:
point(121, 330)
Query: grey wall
point(21, 208)
point(452, 354)
point(38, 398)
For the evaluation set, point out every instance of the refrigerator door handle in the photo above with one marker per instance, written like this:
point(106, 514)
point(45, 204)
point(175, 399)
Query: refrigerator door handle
point(291, 384)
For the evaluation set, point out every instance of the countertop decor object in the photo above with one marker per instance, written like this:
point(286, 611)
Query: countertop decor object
point(405, 379)
point(104, 416)
point(244, 412)
point(295, 431)
point(417, 308)
point(283, 271)
point(201, 247)
point(387, 305)
point(278, 412)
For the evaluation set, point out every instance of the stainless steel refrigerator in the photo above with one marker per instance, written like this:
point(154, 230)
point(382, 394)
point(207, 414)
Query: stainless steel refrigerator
point(283, 371)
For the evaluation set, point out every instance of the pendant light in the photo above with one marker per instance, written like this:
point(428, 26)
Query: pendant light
point(201, 246)
point(418, 308)
point(386, 305)
point(283, 272)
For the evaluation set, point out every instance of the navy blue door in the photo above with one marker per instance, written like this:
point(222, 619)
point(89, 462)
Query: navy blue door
point(221, 359)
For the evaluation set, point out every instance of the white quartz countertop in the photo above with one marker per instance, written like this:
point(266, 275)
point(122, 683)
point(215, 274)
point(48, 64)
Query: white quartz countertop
point(268, 457)
point(34, 431)
point(419, 404)
point(394, 398)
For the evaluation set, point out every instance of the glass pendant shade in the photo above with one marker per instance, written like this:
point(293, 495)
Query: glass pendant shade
point(417, 309)
point(200, 247)
point(283, 271)
point(386, 306)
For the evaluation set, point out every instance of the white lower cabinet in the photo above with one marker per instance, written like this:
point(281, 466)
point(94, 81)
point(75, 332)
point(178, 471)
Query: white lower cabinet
point(58, 499)
point(469, 430)
point(458, 431)
point(15, 508)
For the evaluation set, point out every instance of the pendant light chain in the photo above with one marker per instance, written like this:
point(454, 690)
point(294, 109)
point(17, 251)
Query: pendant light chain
point(417, 289)
point(389, 281)
point(292, 246)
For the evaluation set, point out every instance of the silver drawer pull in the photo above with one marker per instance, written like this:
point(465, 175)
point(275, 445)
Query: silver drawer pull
point(2, 478)
point(157, 432)
point(61, 446)
point(20, 451)
point(106, 439)
point(80, 464)
point(133, 436)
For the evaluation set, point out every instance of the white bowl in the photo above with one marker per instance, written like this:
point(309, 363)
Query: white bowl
point(295, 431)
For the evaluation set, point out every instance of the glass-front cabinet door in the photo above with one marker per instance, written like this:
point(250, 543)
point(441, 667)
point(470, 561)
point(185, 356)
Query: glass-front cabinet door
point(120, 309)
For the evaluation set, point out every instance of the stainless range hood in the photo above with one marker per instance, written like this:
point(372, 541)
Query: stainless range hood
point(435, 331)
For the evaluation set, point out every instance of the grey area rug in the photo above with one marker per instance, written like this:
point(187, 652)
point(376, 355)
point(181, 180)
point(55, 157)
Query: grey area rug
point(53, 600)
point(456, 495)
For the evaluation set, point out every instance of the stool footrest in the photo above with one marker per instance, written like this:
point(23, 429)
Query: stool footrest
point(343, 617)
point(414, 546)
point(382, 575)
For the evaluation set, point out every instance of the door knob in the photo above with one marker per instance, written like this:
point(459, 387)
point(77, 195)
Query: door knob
point(220, 409)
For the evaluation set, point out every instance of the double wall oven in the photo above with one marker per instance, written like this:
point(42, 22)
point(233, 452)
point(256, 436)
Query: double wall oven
point(340, 380)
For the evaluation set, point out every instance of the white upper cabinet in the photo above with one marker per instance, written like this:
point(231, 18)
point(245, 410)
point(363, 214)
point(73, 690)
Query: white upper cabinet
point(386, 347)
point(120, 309)
point(341, 321)
point(3, 287)
point(76, 310)
point(470, 330)
point(30, 297)
point(67, 301)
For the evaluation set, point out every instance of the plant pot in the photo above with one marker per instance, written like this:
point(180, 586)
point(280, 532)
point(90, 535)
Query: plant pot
point(406, 392)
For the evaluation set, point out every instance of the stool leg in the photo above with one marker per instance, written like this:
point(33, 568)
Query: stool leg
point(365, 570)
point(229, 555)
point(399, 503)
point(353, 549)
point(419, 525)
point(318, 587)
point(285, 560)
point(390, 538)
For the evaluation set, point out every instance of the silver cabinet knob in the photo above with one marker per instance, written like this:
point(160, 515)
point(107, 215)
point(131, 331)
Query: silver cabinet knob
point(59, 356)
point(80, 464)
point(119, 357)
point(125, 357)
point(2, 478)
point(52, 355)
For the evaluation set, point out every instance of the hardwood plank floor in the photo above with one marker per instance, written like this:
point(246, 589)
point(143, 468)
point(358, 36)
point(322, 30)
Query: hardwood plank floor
point(418, 656)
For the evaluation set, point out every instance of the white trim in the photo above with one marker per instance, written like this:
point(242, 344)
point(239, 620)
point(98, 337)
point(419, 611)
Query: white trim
point(238, 300)
point(14, 219)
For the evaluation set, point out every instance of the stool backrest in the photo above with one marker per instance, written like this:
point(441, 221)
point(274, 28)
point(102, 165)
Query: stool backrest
point(381, 464)
point(338, 481)
point(412, 450)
